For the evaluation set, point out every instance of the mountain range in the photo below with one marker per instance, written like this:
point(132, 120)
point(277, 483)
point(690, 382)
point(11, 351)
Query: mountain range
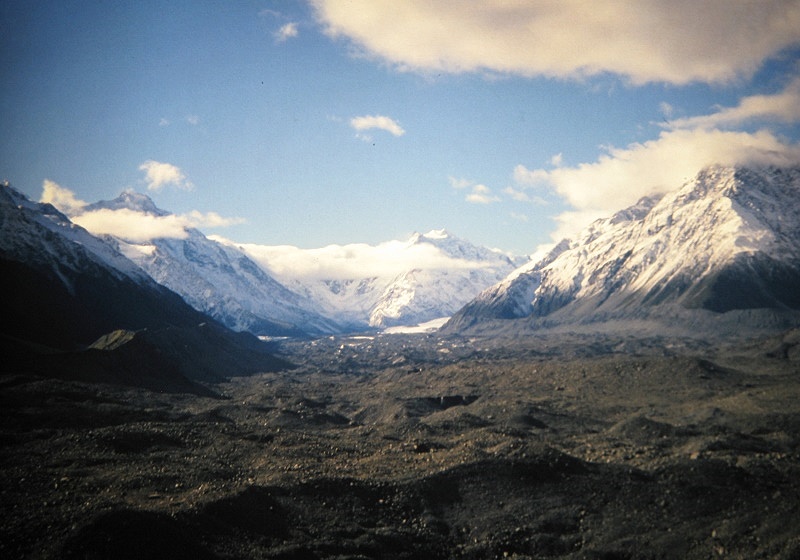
point(432, 275)
point(75, 307)
point(418, 294)
point(217, 279)
point(221, 279)
point(722, 251)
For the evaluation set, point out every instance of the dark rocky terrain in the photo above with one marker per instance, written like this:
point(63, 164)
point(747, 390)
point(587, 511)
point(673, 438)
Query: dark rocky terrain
point(549, 446)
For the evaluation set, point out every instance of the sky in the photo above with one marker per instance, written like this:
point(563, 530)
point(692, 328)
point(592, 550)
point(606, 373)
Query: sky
point(510, 123)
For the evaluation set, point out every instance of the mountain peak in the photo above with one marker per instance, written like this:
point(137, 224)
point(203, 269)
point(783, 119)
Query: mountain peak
point(13, 197)
point(727, 240)
point(430, 236)
point(637, 211)
point(437, 234)
point(131, 200)
point(731, 181)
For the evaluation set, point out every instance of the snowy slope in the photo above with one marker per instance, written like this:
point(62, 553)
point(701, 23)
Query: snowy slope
point(218, 279)
point(36, 233)
point(438, 273)
point(348, 300)
point(420, 295)
point(727, 240)
point(425, 291)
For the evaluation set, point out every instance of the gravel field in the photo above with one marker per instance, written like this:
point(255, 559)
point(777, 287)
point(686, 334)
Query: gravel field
point(418, 446)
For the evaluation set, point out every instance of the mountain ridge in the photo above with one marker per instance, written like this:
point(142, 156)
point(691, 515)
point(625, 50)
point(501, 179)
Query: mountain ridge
point(222, 279)
point(65, 289)
point(421, 292)
point(726, 241)
point(217, 279)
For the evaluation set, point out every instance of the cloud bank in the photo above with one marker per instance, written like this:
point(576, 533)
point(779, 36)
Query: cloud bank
point(345, 262)
point(132, 226)
point(676, 42)
point(139, 227)
point(620, 176)
point(127, 224)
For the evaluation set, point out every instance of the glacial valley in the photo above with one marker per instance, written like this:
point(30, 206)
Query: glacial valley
point(419, 446)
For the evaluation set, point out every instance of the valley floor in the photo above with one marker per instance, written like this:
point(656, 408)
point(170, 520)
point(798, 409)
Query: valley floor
point(412, 446)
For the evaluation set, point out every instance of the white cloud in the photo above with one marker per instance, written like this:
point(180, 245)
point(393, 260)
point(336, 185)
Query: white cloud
point(379, 122)
point(159, 175)
point(163, 122)
point(139, 227)
point(623, 175)
point(779, 107)
point(522, 196)
point(286, 32)
point(209, 219)
point(193, 120)
point(459, 183)
point(678, 42)
point(481, 194)
point(60, 197)
point(344, 262)
point(516, 194)
point(131, 225)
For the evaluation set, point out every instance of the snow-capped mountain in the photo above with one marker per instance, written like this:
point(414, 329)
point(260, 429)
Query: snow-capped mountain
point(420, 295)
point(64, 289)
point(217, 279)
point(449, 273)
point(727, 241)
point(431, 276)
point(37, 233)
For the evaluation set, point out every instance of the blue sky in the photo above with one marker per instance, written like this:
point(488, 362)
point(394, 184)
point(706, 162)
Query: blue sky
point(509, 123)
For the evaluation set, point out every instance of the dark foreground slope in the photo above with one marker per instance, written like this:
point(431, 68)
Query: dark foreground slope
point(410, 447)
